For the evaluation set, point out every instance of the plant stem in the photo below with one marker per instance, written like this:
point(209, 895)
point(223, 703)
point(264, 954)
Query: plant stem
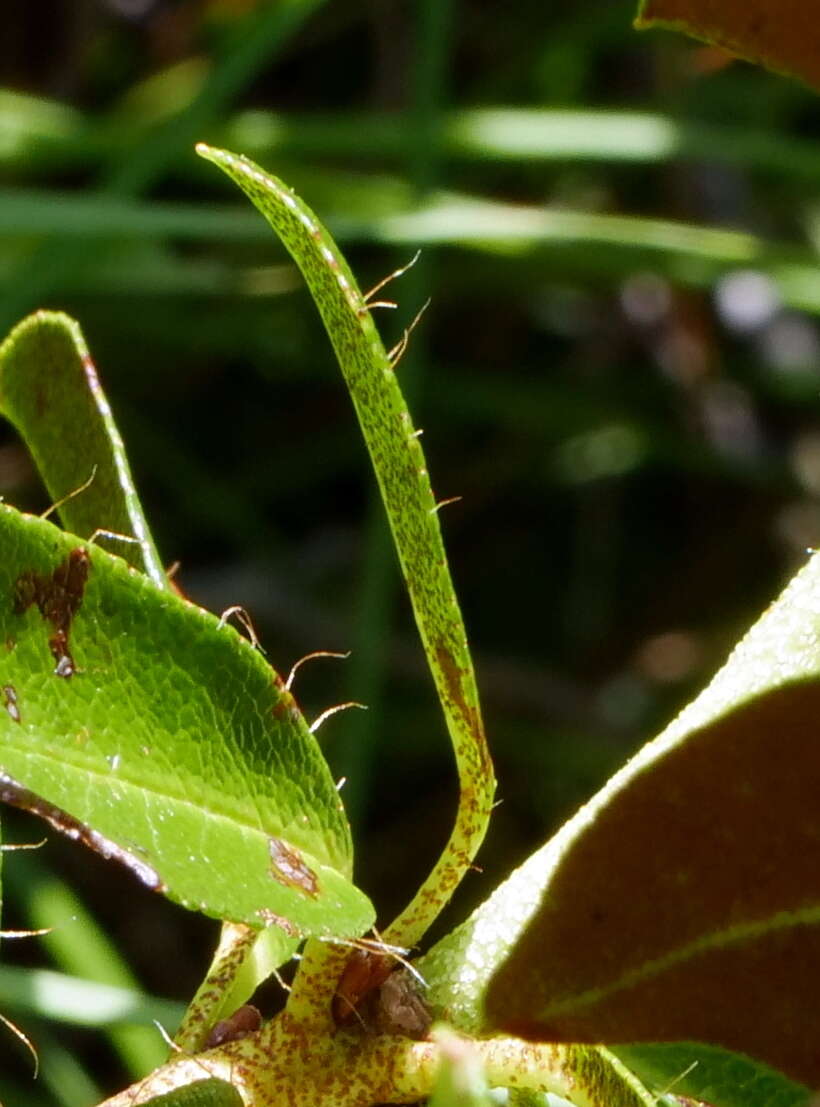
point(313, 987)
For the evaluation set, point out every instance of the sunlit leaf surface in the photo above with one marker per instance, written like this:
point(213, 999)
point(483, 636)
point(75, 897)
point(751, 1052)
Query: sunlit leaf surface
point(142, 717)
point(50, 390)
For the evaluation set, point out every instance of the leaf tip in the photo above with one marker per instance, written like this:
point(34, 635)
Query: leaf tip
point(223, 158)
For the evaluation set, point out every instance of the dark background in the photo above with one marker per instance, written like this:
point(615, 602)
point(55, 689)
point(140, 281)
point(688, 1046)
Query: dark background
point(625, 400)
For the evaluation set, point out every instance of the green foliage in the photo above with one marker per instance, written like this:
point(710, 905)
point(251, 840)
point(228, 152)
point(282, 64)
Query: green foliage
point(605, 375)
point(50, 391)
point(201, 1093)
point(179, 735)
point(199, 689)
point(711, 1075)
point(412, 511)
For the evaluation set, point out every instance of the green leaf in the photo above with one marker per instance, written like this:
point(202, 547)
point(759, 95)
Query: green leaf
point(411, 509)
point(202, 1093)
point(47, 357)
point(144, 718)
point(711, 1075)
point(683, 901)
point(50, 391)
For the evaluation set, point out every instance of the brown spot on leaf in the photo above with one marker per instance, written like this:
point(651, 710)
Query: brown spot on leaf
point(270, 918)
point(453, 674)
point(285, 706)
point(10, 698)
point(289, 869)
point(58, 598)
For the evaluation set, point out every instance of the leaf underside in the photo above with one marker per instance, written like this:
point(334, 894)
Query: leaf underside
point(781, 36)
point(141, 716)
point(683, 902)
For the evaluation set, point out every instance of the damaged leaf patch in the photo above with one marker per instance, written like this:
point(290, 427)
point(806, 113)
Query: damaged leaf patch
point(288, 868)
point(58, 597)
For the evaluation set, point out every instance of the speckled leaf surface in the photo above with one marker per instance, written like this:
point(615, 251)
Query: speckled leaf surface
point(784, 36)
point(412, 511)
point(683, 901)
point(141, 717)
point(50, 389)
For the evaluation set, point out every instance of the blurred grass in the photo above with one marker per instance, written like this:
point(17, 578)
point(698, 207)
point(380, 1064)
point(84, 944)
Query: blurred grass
point(618, 372)
point(77, 944)
point(37, 134)
point(252, 44)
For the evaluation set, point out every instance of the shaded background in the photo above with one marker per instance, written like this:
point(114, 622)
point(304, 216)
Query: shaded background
point(618, 372)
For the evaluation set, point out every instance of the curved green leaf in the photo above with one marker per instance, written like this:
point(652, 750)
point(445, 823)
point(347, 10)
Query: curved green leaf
point(683, 901)
point(411, 509)
point(459, 966)
point(50, 391)
point(144, 718)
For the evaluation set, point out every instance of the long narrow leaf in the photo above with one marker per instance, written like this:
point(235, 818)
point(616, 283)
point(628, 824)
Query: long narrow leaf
point(411, 508)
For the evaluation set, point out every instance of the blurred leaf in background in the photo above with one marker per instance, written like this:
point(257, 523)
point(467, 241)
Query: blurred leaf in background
point(618, 373)
point(746, 29)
